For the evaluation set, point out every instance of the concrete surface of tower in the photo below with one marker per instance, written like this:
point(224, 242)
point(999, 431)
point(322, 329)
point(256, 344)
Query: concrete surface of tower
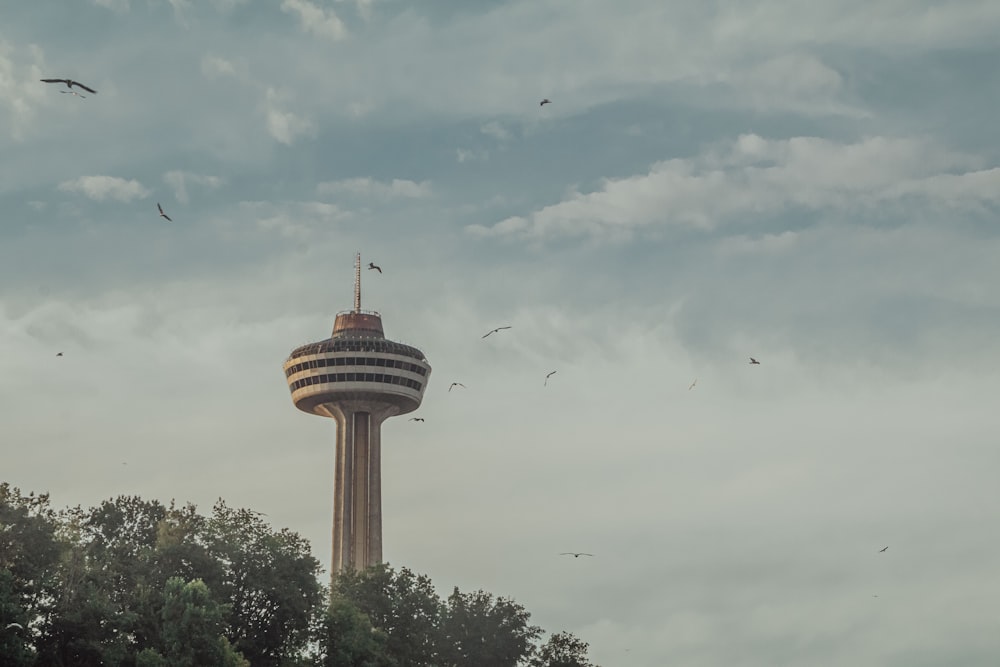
point(358, 378)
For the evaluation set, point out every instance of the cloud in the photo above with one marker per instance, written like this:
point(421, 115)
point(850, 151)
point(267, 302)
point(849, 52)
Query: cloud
point(463, 155)
point(495, 130)
point(753, 178)
point(213, 66)
point(293, 220)
point(285, 126)
point(100, 188)
point(179, 181)
point(320, 22)
point(20, 92)
point(114, 5)
point(367, 187)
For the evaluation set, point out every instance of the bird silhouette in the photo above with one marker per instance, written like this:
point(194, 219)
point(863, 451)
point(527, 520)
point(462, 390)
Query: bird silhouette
point(371, 265)
point(574, 554)
point(457, 384)
point(162, 214)
point(754, 361)
point(495, 330)
point(546, 383)
point(70, 83)
point(419, 419)
point(544, 102)
point(882, 550)
point(14, 625)
point(59, 354)
point(693, 384)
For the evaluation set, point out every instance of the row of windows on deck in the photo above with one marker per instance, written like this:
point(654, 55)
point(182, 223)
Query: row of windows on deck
point(356, 377)
point(358, 345)
point(357, 361)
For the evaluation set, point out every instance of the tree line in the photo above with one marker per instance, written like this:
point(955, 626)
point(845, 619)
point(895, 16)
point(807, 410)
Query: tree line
point(135, 583)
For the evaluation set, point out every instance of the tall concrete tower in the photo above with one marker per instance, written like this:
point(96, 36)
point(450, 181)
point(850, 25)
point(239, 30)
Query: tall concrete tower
point(358, 378)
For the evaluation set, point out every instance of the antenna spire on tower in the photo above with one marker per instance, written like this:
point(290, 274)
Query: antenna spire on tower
point(357, 283)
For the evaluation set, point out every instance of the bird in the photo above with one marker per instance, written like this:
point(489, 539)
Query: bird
point(574, 554)
point(457, 384)
point(162, 214)
point(495, 330)
point(693, 384)
point(419, 419)
point(882, 550)
point(70, 83)
point(59, 354)
point(14, 625)
point(371, 265)
point(754, 361)
point(545, 384)
point(544, 102)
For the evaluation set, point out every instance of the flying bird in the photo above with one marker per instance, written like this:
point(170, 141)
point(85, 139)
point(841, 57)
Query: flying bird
point(545, 384)
point(544, 102)
point(14, 625)
point(371, 265)
point(754, 361)
point(882, 550)
point(693, 384)
point(419, 419)
point(574, 554)
point(457, 384)
point(162, 214)
point(59, 354)
point(496, 330)
point(69, 84)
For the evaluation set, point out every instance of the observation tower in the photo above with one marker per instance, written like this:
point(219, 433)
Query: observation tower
point(359, 378)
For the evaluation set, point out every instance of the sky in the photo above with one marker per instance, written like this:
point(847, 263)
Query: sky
point(815, 185)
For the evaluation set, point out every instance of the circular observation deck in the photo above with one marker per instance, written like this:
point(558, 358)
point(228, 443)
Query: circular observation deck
point(356, 363)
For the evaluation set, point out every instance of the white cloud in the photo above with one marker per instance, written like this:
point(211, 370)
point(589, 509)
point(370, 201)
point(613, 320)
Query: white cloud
point(754, 177)
point(495, 130)
point(363, 7)
point(295, 220)
point(115, 5)
point(179, 181)
point(285, 126)
point(100, 188)
point(20, 92)
point(213, 66)
point(320, 22)
point(463, 155)
point(371, 188)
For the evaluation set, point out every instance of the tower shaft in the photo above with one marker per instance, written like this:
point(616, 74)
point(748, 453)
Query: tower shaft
point(357, 492)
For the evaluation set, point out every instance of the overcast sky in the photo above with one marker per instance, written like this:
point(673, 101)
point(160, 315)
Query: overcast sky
point(816, 185)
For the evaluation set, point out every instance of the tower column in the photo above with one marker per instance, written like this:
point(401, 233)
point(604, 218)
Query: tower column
point(357, 492)
point(375, 493)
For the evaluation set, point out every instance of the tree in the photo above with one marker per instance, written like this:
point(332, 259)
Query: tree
point(401, 604)
point(192, 627)
point(269, 580)
point(478, 629)
point(562, 650)
point(349, 639)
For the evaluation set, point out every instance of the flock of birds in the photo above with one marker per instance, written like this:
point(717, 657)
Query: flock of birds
point(576, 554)
point(70, 84)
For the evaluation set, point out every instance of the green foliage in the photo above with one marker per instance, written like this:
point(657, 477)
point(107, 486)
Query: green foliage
point(350, 639)
point(562, 650)
point(134, 583)
point(270, 582)
point(402, 605)
point(479, 629)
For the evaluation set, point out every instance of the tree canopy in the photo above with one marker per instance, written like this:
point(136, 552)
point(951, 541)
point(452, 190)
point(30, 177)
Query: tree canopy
point(135, 583)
